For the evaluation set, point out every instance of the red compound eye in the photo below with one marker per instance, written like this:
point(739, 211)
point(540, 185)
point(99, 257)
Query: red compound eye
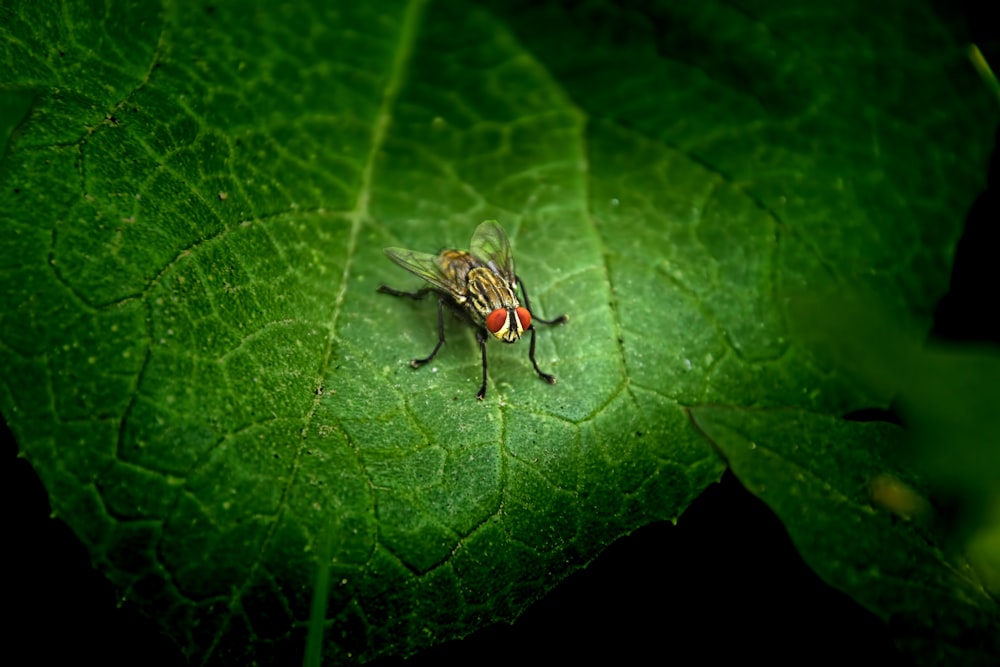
point(496, 320)
point(525, 317)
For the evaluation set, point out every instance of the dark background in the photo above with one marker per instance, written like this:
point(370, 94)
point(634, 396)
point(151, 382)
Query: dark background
point(724, 583)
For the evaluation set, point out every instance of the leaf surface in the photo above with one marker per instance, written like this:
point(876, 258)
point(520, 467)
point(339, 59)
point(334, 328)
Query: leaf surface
point(195, 200)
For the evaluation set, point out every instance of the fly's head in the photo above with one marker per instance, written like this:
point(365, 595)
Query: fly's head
point(508, 324)
point(495, 305)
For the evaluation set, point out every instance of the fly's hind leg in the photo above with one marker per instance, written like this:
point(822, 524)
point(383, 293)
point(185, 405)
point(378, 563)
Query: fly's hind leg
point(420, 294)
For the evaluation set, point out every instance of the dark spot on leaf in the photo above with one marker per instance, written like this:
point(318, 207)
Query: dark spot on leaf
point(638, 434)
point(210, 9)
point(874, 415)
point(17, 191)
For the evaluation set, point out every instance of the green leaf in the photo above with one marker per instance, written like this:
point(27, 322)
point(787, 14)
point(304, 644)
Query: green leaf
point(816, 473)
point(945, 394)
point(194, 203)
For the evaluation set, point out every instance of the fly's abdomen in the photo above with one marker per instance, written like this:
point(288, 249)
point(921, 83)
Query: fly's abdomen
point(456, 265)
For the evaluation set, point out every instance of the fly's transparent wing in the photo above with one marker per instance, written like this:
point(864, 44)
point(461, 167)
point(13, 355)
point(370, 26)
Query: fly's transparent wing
point(490, 246)
point(425, 266)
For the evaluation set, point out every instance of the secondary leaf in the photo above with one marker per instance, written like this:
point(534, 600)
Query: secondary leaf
point(194, 201)
point(816, 472)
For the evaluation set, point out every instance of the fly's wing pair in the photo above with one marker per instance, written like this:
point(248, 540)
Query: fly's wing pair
point(425, 266)
point(491, 246)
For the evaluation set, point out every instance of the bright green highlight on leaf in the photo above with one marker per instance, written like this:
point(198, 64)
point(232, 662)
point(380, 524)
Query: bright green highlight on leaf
point(194, 201)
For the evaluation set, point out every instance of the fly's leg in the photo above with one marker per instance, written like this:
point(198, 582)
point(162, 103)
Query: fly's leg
point(551, 379)
point(417, 363)
point(562, 319)
point(420, 294)
point(481, 337)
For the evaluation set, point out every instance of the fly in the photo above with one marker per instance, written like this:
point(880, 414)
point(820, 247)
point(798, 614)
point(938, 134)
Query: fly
point(480, 284)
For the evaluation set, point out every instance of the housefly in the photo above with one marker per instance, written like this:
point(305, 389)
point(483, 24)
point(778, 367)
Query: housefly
point(481, 286)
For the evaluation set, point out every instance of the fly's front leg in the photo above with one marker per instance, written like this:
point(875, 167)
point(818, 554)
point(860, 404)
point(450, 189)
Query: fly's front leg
point(551, 379)
point(481, 337)
point(562, 319)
